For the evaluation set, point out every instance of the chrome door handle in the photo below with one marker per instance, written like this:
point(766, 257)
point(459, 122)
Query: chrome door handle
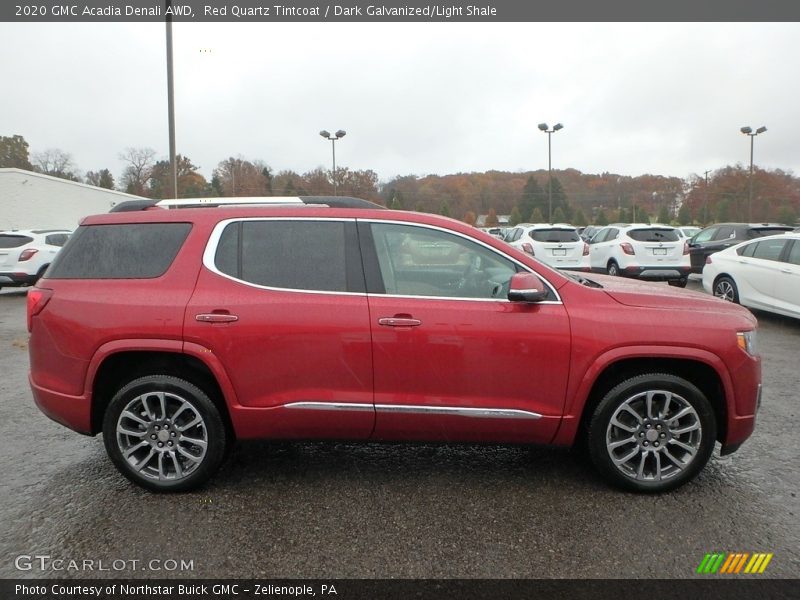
point(216, 318)
point(399, 322)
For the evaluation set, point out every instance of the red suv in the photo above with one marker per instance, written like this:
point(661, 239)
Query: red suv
point(175, 332)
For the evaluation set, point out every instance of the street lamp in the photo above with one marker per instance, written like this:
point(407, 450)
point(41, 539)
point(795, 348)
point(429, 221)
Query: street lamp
point(544, 127)
point(749, 131)
point(339, 134)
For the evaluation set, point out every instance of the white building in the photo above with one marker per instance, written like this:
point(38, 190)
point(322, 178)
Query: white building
point(31, 200)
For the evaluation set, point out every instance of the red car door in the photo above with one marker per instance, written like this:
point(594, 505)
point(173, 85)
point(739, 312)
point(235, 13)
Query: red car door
point(453, 358)
point(280, 305)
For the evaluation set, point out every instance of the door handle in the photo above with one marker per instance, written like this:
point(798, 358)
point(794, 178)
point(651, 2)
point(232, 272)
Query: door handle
point(399, 322)
point(787, 271)
point(216, 318)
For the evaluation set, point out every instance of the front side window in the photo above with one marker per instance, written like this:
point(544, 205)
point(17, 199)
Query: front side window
point(417, 261)
point(705, 235)
point(297, 255)
point(725, 233)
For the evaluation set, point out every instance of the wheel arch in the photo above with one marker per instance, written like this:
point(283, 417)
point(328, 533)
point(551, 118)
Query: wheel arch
point(118, 368)
point(598, 382)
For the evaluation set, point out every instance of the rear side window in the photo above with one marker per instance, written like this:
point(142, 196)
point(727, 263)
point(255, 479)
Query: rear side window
point(56, 239)
point(769, 249)
point(14, 241)
point(554, 235)
point(297, 255)
point(123, 251)
point(654, 235)
point(757, 232)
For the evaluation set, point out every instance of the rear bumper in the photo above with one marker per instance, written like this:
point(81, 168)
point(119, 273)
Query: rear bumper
point(16, 279)
point(74, 412)
point(658, 273)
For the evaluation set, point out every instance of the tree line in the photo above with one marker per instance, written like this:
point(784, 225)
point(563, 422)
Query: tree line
point(570, 196)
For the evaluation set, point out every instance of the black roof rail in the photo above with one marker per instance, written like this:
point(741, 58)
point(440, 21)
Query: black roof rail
point(340, 201)
point(133, 205)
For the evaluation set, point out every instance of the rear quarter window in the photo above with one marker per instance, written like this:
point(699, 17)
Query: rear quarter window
point(120, 251)
point(654, 235)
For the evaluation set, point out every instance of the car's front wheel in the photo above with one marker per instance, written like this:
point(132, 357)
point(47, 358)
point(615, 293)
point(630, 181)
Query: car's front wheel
point(652, 433)
point(164, 433)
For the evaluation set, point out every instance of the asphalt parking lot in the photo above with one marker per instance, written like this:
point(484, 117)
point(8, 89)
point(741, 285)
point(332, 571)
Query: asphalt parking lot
point(316, 510)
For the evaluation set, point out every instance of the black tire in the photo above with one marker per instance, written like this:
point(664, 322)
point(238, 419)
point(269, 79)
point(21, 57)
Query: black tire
point(170, 420)
point(653, 454)
point(613, 269)
point(725, 288)
point(681, 283)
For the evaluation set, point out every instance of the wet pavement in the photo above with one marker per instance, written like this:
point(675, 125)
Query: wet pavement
point(424, 511)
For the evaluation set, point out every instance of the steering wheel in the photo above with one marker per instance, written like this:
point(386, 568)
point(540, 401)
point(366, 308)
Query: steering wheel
point(468, 279)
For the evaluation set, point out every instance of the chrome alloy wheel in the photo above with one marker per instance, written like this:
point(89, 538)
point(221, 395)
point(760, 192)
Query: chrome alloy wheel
point(724, 289)
point(653, 436)
point(162, 436)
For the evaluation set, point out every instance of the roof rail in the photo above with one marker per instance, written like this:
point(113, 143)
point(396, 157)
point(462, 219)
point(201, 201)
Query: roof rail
point(329, 201)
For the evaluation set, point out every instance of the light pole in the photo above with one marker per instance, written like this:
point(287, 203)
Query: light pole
point(171, 104)
point(749, 131)
point(339, 134)
point(544, 127)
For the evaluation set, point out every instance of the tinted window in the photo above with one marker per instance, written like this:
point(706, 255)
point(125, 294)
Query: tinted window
point(746, 250)
point(56, 239)
point(600, 236)
point(417, 261)
point(654, 235)
point(299, 255)
point(14, 241)
point(126, 251)
point(769, 249)
point(554, 235)
point(794, 253)
point(705, 235)
point(724, 233)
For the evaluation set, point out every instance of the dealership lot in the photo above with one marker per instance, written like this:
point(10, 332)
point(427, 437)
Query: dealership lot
point(401, 510)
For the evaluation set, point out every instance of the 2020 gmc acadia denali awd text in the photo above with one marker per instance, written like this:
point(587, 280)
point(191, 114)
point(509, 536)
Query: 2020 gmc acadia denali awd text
point(176, 332)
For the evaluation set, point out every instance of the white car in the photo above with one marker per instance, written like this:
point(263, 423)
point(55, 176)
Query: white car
point(26, 254)
point(558, 245)
point(762, 274)
point(688, 231)
point(652, 252)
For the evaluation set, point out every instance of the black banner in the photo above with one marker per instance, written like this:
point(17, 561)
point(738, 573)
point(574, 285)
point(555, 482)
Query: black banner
point(712, 588)
point(398, 10)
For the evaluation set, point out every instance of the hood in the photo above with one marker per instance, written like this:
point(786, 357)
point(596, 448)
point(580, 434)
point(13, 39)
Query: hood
point(632, 292)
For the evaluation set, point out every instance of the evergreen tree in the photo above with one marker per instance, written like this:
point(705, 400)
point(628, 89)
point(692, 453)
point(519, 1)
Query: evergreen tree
point(514, 218)
point(580, 220)
point(445, 210)
point(537, 216)
point(787, 215)
point(559, 200)
point(723, 212)
point(532, 198)
point(559, 216)
point(684, 214)
point(663, 216)
point(601, 219)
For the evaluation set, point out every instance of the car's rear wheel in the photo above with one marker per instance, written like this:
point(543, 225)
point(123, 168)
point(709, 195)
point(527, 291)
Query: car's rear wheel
point(613, 269)
point(164, 433)
point(725, 288)
point(652, 433)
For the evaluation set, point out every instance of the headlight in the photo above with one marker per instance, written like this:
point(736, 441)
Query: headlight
point(747, 341)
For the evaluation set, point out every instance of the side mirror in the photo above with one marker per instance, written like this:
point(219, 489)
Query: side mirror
point(526, 287)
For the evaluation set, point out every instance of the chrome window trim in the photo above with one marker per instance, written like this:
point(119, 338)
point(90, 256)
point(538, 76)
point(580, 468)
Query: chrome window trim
point(476, 241)
point(480, 413)
point(213, 241)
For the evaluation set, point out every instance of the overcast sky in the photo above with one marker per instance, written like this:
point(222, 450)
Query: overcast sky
point(432, 98)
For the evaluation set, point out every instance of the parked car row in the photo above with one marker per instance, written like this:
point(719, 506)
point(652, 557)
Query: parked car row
point(25, 254)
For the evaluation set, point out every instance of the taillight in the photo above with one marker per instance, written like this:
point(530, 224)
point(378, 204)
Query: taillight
point(627, 248)
point(528, 248)
point(37, 299)
point(585, 249)
point(686, 247)
point(27, 254)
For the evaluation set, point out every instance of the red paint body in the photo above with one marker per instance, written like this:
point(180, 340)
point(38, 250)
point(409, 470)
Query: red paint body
point(329, 349)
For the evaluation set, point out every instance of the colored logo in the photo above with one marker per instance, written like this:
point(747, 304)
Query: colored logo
point(734, 563)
